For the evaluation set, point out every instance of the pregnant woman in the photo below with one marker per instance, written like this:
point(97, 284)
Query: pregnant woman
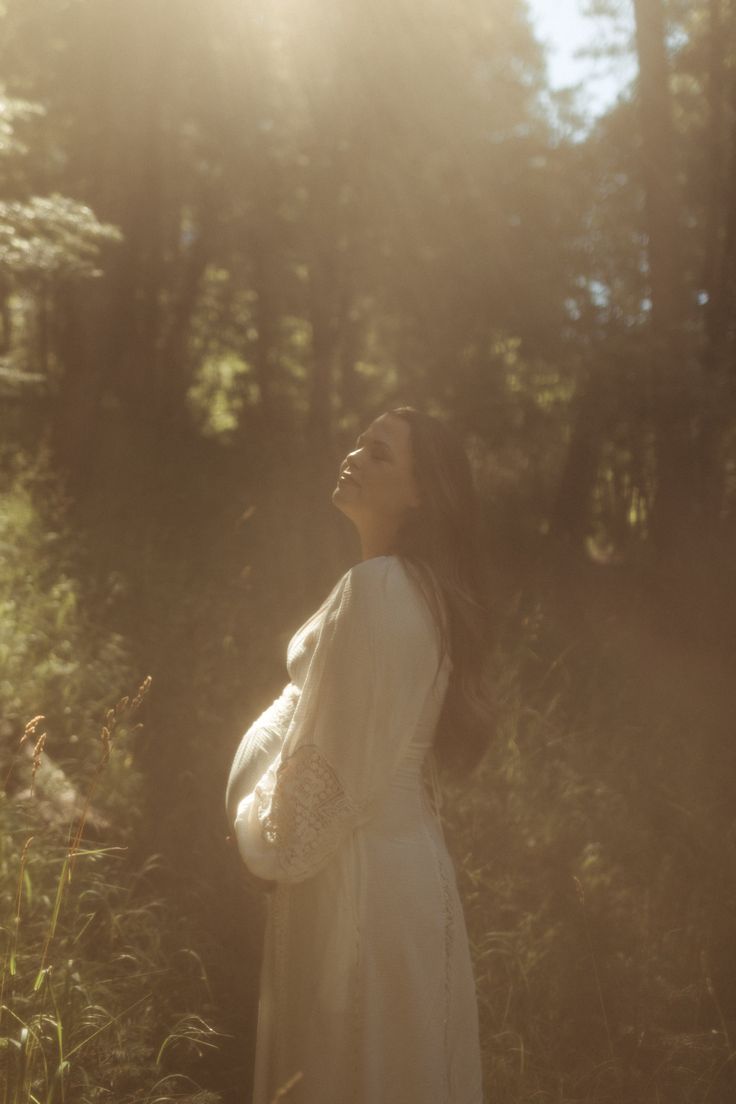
point(367, 990)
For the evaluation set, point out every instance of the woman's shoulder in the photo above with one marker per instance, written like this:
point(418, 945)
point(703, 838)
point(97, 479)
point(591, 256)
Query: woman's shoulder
point(373, 597)
point(377, 575)
point(384, 589)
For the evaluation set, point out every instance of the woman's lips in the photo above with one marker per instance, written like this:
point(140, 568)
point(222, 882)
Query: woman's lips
point(347, 475)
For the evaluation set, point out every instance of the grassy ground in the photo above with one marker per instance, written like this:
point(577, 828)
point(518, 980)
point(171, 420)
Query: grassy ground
point(94, 981)
point(597, 858)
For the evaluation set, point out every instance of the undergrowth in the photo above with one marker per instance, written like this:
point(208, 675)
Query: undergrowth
point(597, 863)
point(94, 988)
point(102, 998)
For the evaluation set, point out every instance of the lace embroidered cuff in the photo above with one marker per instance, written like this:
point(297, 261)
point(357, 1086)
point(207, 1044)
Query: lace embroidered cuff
point(296, 817)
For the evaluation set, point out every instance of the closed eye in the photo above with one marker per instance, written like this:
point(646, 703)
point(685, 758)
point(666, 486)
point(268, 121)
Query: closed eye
point(377, 450)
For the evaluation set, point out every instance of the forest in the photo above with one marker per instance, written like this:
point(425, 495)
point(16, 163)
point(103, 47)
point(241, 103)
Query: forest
point(232, 232)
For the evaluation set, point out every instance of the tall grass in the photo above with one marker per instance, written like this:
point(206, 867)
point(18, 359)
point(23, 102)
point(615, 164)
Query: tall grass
point(86, 1008)
point(101, 996)
point(597, 862)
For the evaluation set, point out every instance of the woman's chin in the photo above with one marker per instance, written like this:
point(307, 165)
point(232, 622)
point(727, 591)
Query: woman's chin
point(341, 500)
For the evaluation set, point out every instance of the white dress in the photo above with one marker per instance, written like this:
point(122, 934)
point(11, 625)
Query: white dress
point(367, 990)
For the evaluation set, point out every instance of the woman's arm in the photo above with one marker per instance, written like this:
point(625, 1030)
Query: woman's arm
point(369, 677)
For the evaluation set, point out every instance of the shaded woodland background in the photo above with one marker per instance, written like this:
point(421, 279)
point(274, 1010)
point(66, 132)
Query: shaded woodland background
point(231, 233)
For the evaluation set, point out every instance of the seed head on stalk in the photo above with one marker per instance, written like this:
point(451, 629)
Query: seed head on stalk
point(113, 716)
point(29, 732)
point(37, 751)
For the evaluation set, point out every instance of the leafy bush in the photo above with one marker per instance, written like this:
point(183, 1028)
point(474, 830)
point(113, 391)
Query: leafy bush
point(598, 883)
point(100, 999)
point(54, 657)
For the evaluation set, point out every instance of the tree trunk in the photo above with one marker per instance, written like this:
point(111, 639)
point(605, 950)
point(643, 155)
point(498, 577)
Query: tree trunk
point(570, 516)
point(678, 485)
point(172, 360)
point(714, 254)
point(266, 321)
point(721, 286)
point(719, 279)
point(6, 320)
point(659, 168)
point(323, 356)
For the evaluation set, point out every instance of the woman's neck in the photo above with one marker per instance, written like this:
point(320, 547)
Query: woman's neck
point(377, 541)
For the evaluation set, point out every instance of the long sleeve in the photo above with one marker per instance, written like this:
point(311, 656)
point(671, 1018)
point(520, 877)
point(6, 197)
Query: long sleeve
point(372, 668)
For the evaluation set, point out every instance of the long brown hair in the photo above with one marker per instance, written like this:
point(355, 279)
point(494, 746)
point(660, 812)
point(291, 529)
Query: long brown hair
point(440, 541)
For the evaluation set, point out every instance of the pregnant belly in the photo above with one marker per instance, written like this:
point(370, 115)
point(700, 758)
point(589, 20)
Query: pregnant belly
point(275, 720)
point(259, 746)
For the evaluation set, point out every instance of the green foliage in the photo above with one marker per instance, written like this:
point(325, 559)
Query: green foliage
point(55, 657)
point(51, 236)
point(221, 388)
point(43, 237)
point(12, 111)
point(99, 999)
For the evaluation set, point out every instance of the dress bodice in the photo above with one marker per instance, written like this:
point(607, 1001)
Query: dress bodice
point(353, 729)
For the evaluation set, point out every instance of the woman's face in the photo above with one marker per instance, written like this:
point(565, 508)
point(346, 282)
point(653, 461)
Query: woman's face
point(376, 484)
